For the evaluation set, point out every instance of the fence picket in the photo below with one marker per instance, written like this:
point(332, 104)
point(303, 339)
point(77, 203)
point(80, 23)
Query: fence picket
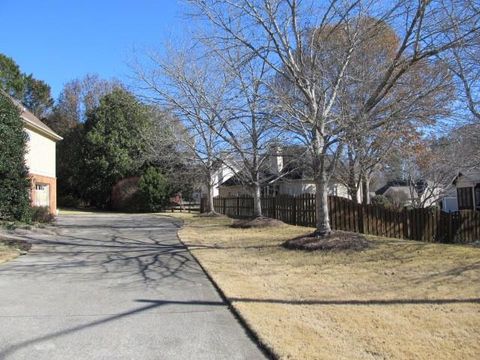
point(415, 224)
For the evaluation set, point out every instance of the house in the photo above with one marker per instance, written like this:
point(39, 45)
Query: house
point(449, 202)
point(404, 192)
point(225, 170)
point(467, 185)
point(284, 173)
point(40, 159)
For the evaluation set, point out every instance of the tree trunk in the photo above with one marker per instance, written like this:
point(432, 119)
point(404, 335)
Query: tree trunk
point(352, 182)
point(366, 190)
point(321, 208)
point(209, 208)
point(257, 201)
point(353, 192)
point(321, 186)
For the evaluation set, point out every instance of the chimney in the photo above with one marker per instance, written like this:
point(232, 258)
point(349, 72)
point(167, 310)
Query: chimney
point(275, 159)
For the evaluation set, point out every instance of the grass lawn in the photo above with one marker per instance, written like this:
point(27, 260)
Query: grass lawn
point(7, 252)
point(397, 300)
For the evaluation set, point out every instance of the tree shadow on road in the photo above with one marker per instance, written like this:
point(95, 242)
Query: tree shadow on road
point(140, 254)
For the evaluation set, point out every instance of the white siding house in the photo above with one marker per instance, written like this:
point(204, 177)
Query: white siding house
point(40, 159)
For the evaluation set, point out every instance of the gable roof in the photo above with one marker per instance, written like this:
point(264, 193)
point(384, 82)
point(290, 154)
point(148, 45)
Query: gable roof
point(402, 185)
point(31, 121)
point(472, 175)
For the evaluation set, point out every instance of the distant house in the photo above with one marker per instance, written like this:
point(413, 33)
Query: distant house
point(467, 185)
point(424, 193)
point(223, 173)
point(449, 202)
point(395, 188)
point(281, 176)
point(40, 159)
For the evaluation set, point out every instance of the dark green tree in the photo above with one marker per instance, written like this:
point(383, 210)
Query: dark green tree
point(154, 190)
point(77, 98)
point(33, 93)
point(14, 181)
point(114, 145)
point(37, 96)
point(11, 78)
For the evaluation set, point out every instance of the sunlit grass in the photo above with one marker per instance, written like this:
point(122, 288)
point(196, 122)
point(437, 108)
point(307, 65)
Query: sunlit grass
point(396, 300)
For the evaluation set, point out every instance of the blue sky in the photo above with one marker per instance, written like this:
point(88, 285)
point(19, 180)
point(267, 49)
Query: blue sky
point(60, 40)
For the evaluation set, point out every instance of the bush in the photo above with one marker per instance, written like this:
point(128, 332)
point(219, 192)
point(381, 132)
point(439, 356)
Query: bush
point(42, 214)
point(381, 200)
point(14, 181)
point(154, 190)
point(398, 199)
point(69, 201)
point(126, 195)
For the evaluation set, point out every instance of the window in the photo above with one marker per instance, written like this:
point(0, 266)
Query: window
point(465, 198)
point(39, 187)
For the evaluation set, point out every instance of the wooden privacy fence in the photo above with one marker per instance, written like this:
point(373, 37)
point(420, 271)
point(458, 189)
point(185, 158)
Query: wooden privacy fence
point(430, 225)
point(188, 206)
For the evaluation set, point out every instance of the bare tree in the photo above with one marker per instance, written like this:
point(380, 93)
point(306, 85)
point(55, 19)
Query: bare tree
point(424, 96)
point(248, 127)
point(465, 145)
point(429, 172)
point(294, 38)
point(464, 60)
point(79, 96)
point(193, 90)
point(464, 63)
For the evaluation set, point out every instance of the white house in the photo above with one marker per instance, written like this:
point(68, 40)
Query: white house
point(223, 173)
point(286, 178)
point(424, 192)
point(40, 159)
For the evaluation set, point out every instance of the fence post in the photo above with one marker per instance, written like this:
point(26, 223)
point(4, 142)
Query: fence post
point(274, 207)
point(224, 206)
point(238, 206)
point(360, 219)
point(406, 224)
point(294, 210)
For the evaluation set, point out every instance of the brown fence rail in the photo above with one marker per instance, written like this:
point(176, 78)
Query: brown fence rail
point(429, 225)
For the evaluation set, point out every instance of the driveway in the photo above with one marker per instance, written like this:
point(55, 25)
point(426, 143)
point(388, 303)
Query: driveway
point(114, 287)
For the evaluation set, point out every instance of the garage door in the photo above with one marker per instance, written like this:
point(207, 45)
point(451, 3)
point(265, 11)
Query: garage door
point(42, 195)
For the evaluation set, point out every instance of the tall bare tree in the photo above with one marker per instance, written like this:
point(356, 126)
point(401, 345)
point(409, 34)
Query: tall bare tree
point(248, 128)
point(294, 38)
point(192, 89)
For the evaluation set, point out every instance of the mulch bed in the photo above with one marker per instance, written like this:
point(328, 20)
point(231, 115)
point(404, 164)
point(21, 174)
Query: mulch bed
point(18, 244)
point(257, 223)
point(336, 241)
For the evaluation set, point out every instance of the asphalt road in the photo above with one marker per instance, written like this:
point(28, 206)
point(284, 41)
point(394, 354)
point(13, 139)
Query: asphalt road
point(114, 287)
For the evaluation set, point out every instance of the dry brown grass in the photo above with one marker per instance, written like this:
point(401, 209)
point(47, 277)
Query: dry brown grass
point(7, 252)
point(396, 300)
